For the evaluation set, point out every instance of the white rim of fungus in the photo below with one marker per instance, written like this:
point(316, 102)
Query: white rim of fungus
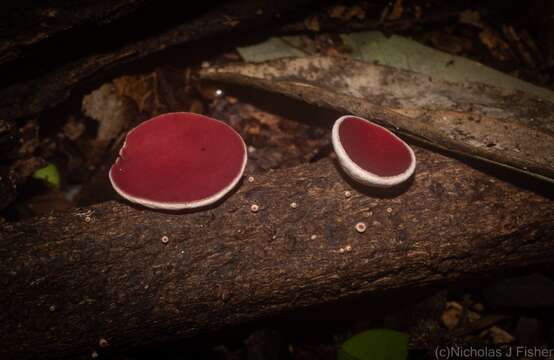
point(360, 227)
point(361, 175)
point(103, 343)
point(184, 205)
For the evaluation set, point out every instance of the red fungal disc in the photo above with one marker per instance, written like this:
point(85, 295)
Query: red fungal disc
point(178, 161)
point(371, 154)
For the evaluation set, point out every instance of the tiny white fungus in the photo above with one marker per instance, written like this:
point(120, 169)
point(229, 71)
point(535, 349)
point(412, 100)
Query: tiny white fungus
point(103, 343)
point(361, 227)
point(254, 208)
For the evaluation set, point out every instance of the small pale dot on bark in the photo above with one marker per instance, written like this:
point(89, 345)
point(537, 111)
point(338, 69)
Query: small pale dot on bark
point(103, 343)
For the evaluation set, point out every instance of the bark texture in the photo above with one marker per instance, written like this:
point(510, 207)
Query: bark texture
point(506, 127)
point(27, 25)
point(105, 49)
point(70, 279)
point(18, 160)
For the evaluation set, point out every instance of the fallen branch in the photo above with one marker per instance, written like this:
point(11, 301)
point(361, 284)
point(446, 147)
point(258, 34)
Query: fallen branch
point(33, 25)
point(103, 272)
point(508, 128)
point(25, 98)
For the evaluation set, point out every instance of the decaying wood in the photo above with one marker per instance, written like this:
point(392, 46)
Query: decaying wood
point(352, 20)
point(70, 279)
point(25, 27)
point(9, 141)
point(18, 162)
point(510, 128)
point(29, 97)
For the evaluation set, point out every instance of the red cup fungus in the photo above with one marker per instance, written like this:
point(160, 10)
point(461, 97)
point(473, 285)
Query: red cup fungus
point(179, 161)
point(371, 154)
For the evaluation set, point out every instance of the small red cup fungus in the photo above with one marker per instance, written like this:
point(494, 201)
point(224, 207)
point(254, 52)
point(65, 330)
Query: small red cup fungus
point(371, 154)
point(179, 161)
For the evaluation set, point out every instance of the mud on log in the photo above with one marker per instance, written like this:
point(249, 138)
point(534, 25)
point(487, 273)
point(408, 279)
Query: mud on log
point(103, 272)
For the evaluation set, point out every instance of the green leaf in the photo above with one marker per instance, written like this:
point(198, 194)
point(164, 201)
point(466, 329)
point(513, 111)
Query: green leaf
point(377, 344)
point(273, 48)
point(48, 174)
point(399, 52)
point(407, 54)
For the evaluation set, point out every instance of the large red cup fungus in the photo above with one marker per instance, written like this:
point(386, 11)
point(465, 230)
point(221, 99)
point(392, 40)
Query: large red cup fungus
point(178, 161)
point(371, 154)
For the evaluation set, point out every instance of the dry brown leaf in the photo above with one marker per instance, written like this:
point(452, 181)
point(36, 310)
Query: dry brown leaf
point(451, 315)
point(137, 87)
point(337, 12)
point(496, 45)
point(417, 12)
point(229, 21)
point(346, 13)
point(472, 316)
point(312, 23)
point(471, 17)
point(498, 335)
point(397, 10)
point(73, 129)
point(109, 109)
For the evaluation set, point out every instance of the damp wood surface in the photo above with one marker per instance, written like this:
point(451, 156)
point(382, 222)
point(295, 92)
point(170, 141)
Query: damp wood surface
point(502, 126)
point(71, 278)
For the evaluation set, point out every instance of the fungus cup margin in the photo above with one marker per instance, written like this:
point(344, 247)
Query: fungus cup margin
point(180, 205)
point(361, 175)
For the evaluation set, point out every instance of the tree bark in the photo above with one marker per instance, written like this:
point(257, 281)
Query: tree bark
point(474, 119)
point(27, 26)
point(69, 63)
point(72, 278)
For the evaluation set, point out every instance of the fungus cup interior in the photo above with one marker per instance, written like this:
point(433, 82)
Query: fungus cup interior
point(179, 160)
point(373, 148)
point(371, 154)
